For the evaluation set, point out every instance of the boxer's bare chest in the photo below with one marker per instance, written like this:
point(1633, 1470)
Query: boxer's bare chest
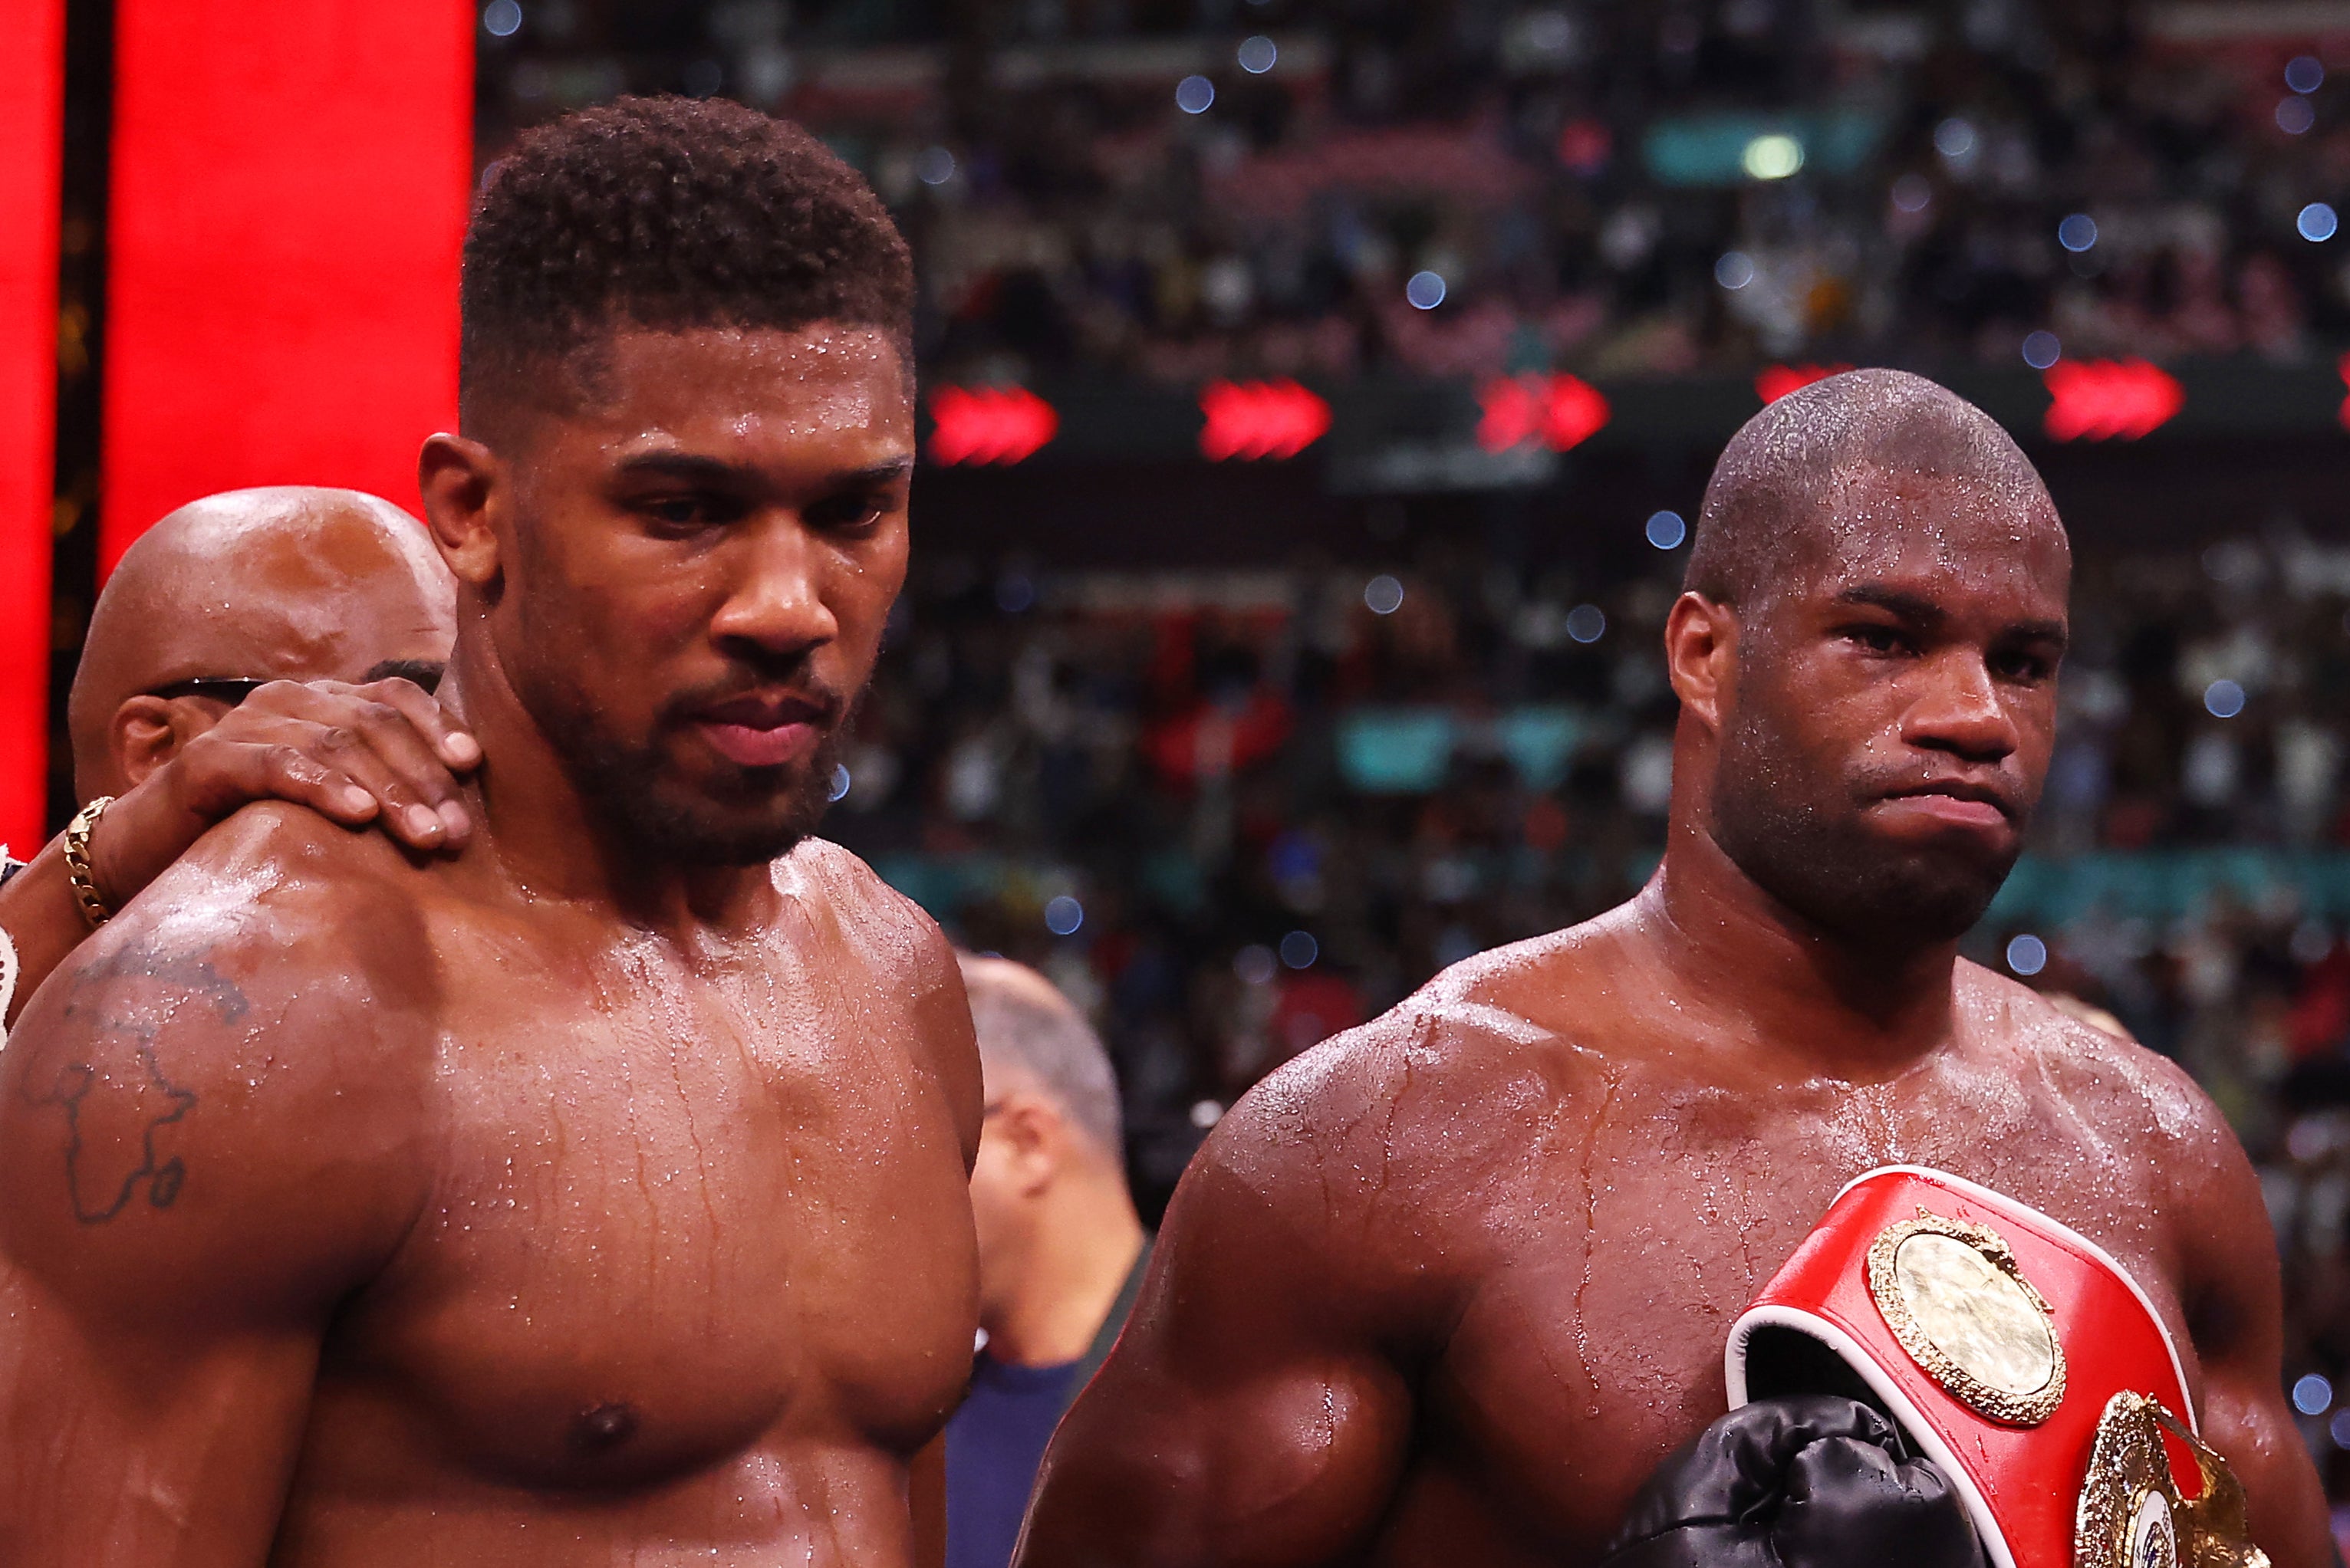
point(1606, 1279)
point(685, 1211)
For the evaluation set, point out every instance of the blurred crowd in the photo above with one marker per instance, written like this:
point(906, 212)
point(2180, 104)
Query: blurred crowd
point(1181, 188)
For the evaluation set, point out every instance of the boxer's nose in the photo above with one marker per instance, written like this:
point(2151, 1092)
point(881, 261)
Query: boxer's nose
point(1959, 709)
point(777, 601)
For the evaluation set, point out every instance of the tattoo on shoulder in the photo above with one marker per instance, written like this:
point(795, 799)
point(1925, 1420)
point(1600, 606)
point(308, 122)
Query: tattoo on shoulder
point(117, 1100)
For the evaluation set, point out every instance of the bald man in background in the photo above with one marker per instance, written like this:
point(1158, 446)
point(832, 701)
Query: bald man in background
point(189, 702)
point(1061, 1249)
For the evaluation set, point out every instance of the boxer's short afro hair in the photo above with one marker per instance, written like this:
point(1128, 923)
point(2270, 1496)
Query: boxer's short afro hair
point(667, 213)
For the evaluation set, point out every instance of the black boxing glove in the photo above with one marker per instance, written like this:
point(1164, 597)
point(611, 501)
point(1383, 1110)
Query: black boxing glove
point(1810, 1480)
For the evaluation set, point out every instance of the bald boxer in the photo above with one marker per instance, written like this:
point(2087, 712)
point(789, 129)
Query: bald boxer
point(1450, 1287)
point(596, 1195)
point(182, 706)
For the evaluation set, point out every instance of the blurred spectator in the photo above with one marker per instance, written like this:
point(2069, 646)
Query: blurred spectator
point(1061, 1251)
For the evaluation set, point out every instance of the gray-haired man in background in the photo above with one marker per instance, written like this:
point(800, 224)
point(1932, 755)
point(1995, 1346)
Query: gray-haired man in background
point(1060, 1250)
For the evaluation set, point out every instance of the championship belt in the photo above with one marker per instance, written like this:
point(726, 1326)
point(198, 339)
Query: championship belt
point(2015, 1354)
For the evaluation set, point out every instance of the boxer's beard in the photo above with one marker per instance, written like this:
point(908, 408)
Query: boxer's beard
point(1803, 840)
point(751, 815)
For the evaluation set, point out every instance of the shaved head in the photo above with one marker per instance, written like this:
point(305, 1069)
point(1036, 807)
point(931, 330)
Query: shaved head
point(1028, 1030)
point(1866, 655)
point(288, 582)
point(1793, 474)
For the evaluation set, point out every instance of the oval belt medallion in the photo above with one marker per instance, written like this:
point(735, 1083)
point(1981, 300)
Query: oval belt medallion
point(2131, 1513)
point(1954, 1295)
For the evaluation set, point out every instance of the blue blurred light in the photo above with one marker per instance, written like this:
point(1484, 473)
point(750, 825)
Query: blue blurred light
point(2338, 1429)
point(1194, 94)
point(1258, 54)
point(839, 786)
point(1734, 270)
point(1299, 949)
point(501, 18)
point(1063, 914)
point(1666, 530)
point(2223, 699)
point(2302, 73)
point(1586, 623)
point(1014, 593)
point(2077, 233)
point(2027, 954)
point(1954, 138)
point(2295, 115)
point(1383, 595)
point(934, 166)
point(2041, 350)
point(2312, 1394)
point(1425, 291)
point(2318, 222)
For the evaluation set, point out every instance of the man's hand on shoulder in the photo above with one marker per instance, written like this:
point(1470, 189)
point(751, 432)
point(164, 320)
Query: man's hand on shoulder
point(384, 752)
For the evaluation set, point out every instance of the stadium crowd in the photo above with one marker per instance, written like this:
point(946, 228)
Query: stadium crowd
point(1286, 187)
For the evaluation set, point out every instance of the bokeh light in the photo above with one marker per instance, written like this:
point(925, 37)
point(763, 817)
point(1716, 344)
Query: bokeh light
point(1425, 290)
point(501, 18)
point(1586, 623)
point(2077, 233)
point(2312, 1394)
point(1194, 95)
point(1257, 55)
point(2304, 73)
point(1383, 595)
point(1299, 949)
point(1772, 157)
point(2041, 349)
point(1666, 530)
point(2223, 699)
point(1063, 914)
point(2026, 954)
point(2295, 115)
point(1734, 270)
point(2318, 222)
point(934, 166)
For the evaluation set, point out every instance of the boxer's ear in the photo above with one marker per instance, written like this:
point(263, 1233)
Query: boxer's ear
point(1700, 648)
point(143, 738)
point(465, 487)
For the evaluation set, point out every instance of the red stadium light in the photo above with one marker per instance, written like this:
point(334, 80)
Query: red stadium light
point(1777, 380)
point(2343, 367)
point(1559, 411)
point(2099, 399)
point(989, 424)
point(1260, 418)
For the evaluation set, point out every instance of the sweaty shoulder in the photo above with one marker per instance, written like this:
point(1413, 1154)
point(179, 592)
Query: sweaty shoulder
point(1424, 1122)
point(236, 1064)
point(893, 945)
point(2113, 1084)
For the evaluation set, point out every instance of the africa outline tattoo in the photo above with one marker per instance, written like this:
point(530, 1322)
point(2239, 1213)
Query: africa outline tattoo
point(74, 1080)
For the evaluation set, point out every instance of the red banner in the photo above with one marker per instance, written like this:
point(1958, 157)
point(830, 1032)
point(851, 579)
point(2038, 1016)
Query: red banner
point(32, 116)
point(288, 198)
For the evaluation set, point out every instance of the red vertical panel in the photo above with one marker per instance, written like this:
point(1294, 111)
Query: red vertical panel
point(288, 197)
point(32, 117)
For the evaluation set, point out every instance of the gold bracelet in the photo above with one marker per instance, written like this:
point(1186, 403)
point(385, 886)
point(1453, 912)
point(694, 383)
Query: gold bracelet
point(85, 882)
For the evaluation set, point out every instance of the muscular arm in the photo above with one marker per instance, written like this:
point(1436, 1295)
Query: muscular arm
point(199, 1154)
point(1253, 1413)
point(2234, 1303)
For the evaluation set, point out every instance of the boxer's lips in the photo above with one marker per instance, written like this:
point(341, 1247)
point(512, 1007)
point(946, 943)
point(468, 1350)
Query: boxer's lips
point(757, 733)
point(1955, 803)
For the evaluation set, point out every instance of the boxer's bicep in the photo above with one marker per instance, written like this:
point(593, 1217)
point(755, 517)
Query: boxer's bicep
point(171, 1242)
point(1250, 1415)
point(2235, 1312)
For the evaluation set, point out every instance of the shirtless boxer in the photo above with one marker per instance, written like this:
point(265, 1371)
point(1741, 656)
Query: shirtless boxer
point(597, 1194)
point(1445, 1288)
point(219, 669)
